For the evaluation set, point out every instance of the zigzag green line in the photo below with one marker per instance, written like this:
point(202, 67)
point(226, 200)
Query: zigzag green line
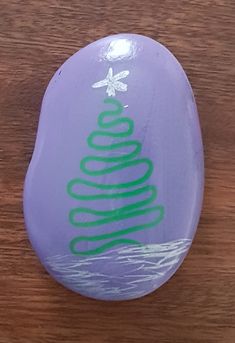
point(122, 162)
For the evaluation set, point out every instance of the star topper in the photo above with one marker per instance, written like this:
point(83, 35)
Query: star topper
point(112, 82)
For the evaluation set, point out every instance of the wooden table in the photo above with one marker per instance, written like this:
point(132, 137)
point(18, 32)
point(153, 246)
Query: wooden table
point(198, 303)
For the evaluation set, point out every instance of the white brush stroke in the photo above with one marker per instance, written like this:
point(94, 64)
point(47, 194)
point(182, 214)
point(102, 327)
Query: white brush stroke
point(145, 264)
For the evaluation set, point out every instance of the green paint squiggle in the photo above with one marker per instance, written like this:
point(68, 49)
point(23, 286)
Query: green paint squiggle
point(108, 120)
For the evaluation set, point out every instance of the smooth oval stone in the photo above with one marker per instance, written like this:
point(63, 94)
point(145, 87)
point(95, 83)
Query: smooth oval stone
point(114, 190)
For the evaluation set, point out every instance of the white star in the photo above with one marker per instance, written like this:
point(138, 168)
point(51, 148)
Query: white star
point(112, 83)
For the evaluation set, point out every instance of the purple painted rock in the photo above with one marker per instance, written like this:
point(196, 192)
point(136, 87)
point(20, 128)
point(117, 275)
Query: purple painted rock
point(114, 190)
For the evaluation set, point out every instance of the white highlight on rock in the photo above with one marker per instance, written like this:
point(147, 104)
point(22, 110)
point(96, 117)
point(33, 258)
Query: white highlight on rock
point(119, 50)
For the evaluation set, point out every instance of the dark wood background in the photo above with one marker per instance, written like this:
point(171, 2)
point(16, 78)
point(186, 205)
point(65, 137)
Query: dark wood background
point(198, 303)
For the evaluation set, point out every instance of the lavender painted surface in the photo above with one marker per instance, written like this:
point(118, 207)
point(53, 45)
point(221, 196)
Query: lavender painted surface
point(157, 98)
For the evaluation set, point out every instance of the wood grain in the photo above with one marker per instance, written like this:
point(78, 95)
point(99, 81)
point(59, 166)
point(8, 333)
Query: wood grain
point(198, 303)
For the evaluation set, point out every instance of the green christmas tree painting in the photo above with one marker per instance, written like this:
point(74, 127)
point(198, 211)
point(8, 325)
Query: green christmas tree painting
point(122, 153)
